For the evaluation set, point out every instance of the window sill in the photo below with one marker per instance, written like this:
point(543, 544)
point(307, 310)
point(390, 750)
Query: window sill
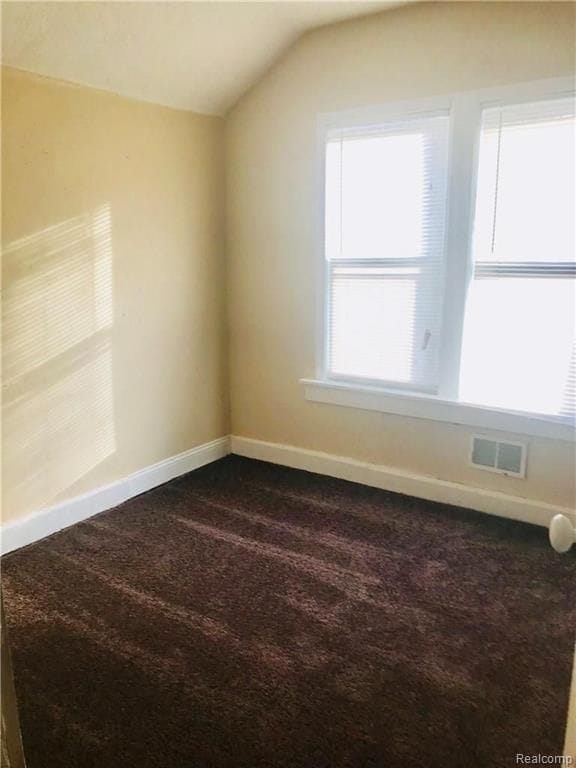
point(433, 408)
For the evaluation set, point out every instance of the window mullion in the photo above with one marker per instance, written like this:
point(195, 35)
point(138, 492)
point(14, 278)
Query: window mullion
point(465, 126)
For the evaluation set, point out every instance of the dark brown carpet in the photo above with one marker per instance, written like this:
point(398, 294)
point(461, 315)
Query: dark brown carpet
point(248, 615)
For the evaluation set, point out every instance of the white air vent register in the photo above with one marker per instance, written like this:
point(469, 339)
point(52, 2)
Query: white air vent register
point(497, 456)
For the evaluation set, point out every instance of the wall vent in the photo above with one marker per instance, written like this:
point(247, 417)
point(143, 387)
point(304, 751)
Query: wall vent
point(498, 456)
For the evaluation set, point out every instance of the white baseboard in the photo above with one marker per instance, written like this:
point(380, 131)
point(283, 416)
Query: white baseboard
point(401, 481)
point(40, 524)
point(36, 526)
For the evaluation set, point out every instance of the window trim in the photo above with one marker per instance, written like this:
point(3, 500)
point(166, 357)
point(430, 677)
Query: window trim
point(433, 408)
point(464, 133)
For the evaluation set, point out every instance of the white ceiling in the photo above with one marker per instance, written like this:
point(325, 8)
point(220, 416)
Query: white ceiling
point(200, 56)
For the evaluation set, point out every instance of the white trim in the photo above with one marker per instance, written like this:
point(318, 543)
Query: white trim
point(522, 92)
point(43, 523)
point(459, 267)
point(435, 409)
point(321, 272)
point(401, 481)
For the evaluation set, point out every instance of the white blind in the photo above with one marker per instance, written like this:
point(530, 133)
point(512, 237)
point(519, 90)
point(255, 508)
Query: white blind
point(384, 236)
point(519, 348)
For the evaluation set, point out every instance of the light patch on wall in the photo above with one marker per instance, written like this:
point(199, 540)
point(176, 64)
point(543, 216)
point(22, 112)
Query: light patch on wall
point(58, 395)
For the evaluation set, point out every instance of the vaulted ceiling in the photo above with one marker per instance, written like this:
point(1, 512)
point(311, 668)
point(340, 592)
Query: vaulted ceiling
point(200, 56)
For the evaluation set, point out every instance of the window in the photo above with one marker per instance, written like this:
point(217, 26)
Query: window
point(449, 253)
point(385, 214)
point(518, 350)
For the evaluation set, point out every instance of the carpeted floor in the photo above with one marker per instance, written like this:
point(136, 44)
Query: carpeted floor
point(248, 615)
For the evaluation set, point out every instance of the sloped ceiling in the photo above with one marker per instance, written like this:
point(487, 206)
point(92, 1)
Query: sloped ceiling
point(200, 56)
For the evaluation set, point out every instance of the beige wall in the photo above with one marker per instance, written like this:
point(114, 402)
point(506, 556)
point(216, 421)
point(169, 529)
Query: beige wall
point(114, 332)
point(421, 50)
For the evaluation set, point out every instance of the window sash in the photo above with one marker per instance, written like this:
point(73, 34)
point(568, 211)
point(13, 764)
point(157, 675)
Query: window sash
point(356, 280)
point(408, 268)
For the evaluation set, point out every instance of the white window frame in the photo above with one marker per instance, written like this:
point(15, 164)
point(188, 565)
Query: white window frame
point(464, 132)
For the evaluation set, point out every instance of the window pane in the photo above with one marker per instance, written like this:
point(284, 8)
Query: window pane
point(519, 335)
point(525, 195)
point(379, 332)
point(385, 191)
point(519, 348)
